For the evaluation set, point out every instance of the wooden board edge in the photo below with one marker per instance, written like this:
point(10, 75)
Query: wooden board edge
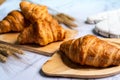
point(26, 48)
point(78, 76)
point(104, 75)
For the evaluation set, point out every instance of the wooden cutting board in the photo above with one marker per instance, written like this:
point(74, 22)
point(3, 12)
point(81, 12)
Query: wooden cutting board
point(46, 50)
point(61, 66)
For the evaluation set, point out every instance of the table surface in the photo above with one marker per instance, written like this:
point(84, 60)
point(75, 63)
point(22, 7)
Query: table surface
point(29, 68)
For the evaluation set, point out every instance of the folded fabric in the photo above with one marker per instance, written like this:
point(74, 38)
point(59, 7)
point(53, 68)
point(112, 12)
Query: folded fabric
point(107, 23)
point(102, 16)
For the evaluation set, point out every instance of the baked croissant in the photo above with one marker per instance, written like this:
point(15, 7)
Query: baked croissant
point(42, 33)
point(92, 51)
point(43, 30)
point(33, 12)
point(14, 21)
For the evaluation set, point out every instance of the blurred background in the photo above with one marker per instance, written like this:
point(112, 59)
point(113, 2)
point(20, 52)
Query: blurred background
point(76, 8)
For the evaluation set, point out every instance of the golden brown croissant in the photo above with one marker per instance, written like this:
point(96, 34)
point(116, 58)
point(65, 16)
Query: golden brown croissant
point(44, 28)
point(92, 51)
point(42, 32)
point(14, 21)
point(33, 12)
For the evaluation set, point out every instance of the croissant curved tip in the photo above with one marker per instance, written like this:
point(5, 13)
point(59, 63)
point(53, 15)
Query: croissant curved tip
point(23, 4)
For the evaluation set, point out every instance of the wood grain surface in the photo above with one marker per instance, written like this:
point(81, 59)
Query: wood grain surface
point(63, 67)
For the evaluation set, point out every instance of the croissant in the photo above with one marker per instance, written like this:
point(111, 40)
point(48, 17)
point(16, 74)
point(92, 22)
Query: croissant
point(92, 51)
point(43, 30)
point(42, 33)
point(33, 12)
point(14, 21)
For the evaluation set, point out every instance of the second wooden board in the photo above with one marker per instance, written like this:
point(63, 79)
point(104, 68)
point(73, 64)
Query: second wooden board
point(63, 67)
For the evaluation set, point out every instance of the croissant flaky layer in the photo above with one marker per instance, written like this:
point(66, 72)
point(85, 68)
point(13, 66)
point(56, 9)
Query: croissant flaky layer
point(92, 51)
point(42, 33)
point(14, 21)
point(33, 12)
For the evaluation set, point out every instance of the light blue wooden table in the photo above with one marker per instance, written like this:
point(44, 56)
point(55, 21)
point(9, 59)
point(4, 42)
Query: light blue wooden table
point(29, 68)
